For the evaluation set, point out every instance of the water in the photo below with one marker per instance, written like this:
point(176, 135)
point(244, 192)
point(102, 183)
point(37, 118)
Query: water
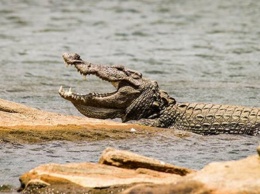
point(192, 152)
point(198, 51)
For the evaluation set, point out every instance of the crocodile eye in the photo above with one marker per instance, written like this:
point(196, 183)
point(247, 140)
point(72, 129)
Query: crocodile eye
point(137, 75)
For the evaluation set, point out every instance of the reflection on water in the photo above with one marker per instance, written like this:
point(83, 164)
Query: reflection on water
point(203, 50)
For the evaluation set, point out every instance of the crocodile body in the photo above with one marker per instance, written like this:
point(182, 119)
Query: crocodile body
point(139, 99)
point(210, 118)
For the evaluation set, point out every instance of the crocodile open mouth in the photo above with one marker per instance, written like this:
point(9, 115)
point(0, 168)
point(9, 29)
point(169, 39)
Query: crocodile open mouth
point(103, 105)
point(85, 70)
point(94, 105)
point(70, 95)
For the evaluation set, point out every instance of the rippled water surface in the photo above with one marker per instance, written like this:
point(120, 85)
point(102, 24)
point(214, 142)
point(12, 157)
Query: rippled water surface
point(192, 152)
point(202, 50)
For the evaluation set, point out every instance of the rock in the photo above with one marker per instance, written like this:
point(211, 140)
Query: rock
point(258, 150)
point(14, 114)
point(132, 173)
point(232, 177)
point(37, 184)
point(22, 124)
point(90, 175)
point(130, 160)
point(6, 189)
point(185, 187)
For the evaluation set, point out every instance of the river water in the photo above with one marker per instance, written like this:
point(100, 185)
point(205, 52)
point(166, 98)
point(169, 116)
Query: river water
point(198, 51)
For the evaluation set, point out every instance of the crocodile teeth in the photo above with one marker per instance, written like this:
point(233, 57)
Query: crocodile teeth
point(64, 92)
point(61, 89)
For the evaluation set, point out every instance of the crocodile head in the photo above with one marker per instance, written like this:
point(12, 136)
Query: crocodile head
point(134, 97)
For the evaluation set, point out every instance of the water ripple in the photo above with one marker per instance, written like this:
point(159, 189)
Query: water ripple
point(206, 51)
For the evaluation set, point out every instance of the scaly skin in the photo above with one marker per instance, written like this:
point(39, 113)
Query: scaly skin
point(209, 119)
point(137, 98)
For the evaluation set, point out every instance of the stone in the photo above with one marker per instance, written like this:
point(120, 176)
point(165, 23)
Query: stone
point(23, 124)
point(241, 176)
point(15, 114)
point(130, 160)
point(185, 187)
point(232, 177)
point(91, 175)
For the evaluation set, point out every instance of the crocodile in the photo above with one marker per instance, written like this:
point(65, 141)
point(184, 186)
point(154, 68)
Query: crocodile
point(141, 100)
